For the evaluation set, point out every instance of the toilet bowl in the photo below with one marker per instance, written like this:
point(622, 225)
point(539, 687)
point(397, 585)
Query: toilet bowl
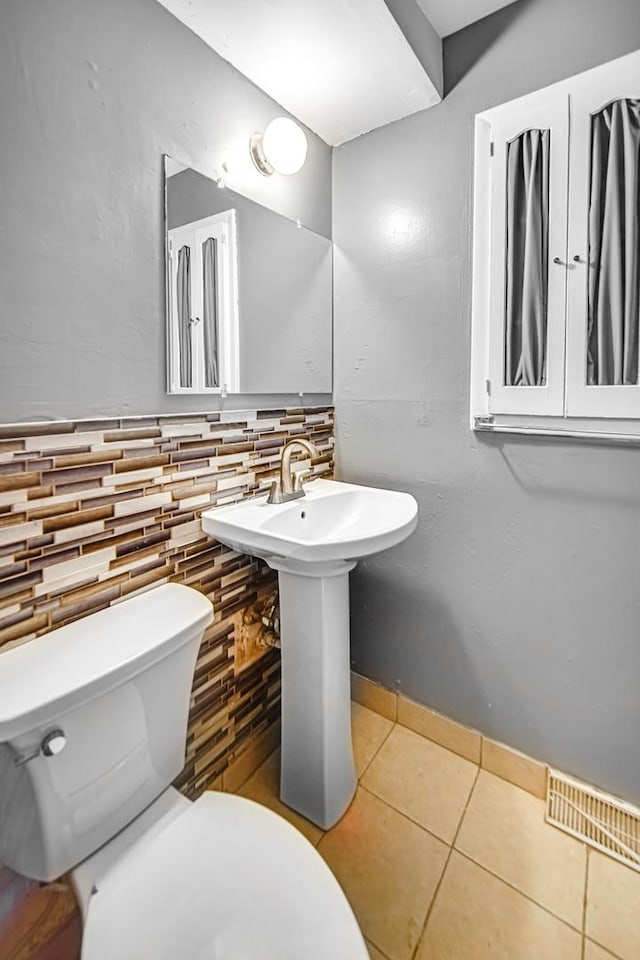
point(92, 733)
point(226, 879)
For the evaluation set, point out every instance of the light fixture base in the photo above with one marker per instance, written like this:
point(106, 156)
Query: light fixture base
point(260, 162)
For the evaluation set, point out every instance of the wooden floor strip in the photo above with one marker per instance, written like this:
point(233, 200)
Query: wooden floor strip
point(44, 924)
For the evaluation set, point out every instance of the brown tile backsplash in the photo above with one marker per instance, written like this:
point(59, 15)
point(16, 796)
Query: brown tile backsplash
point(95, 511)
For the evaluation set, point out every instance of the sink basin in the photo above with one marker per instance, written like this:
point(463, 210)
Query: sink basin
point(313, 543)
point(333, 524)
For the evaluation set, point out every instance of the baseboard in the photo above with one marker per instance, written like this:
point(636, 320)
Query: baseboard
point(498, 758)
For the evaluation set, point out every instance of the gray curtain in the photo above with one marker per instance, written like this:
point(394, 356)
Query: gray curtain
point(210, 310)
point(183, 289)
point(527, 247)
point(614, 245)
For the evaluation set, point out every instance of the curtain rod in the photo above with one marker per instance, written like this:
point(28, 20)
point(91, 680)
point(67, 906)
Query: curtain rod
point(487, 425)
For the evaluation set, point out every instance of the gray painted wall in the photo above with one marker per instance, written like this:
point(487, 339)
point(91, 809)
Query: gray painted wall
point(515, 607)
point(285, 294)
point(91, 95)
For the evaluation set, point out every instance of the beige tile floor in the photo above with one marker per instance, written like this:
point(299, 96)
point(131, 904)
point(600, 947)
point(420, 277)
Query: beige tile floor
point(443, 861)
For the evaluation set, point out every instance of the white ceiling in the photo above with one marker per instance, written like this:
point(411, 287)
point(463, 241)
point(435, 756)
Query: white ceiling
point(342, 67)
point(447, 16)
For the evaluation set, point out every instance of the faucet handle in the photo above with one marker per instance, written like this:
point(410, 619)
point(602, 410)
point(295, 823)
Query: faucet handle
point(275, 492)
point(299, 477)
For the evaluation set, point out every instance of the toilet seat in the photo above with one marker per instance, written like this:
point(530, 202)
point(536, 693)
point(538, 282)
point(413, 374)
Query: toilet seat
point(226, 880)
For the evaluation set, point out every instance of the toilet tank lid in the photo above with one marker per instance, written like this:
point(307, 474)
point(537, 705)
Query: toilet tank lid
point(56, 672)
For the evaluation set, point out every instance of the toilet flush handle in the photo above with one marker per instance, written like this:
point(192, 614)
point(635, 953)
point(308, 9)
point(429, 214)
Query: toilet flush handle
point(52, 744)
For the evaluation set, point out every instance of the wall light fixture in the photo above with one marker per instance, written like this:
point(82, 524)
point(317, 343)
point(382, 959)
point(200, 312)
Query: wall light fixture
point(282, 148)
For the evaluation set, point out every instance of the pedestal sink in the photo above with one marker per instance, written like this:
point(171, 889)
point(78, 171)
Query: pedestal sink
point(313, 542)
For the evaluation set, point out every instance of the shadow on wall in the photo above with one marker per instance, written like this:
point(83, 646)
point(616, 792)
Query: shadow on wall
point(530, 472)
point(483, 34)
point(437, 648)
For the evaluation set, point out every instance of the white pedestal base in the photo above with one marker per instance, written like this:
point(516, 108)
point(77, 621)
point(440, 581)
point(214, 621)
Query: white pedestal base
point(318, 777)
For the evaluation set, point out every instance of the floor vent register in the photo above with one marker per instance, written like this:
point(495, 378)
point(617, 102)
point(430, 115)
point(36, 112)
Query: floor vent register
point(604, 822)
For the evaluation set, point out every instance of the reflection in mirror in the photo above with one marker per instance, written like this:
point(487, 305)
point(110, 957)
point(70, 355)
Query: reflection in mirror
point(203, 305)
point(248, 294)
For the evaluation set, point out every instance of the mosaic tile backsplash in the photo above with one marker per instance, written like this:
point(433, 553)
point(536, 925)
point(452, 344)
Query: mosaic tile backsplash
point(92, 512)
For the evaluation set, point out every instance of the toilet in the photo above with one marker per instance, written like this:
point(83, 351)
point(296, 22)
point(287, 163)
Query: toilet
point(93, 721)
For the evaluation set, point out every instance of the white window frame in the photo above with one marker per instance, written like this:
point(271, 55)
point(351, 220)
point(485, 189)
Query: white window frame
point(547, 114)
point(621, 79)
point(615, 412)
point(222, 227)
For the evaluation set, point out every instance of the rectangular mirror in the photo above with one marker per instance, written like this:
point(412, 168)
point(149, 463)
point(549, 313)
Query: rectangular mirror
point(249, 293)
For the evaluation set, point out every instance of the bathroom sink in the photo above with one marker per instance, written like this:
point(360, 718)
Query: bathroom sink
point(334, 523)
point(313, 542)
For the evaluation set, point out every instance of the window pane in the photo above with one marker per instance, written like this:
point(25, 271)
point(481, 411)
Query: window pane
point(527, 247)
point(614, 245)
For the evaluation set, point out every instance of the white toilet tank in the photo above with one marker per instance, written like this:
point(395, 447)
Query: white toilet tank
point(93, 721)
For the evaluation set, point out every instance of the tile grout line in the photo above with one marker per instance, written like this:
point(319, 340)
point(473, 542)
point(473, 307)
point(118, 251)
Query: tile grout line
point(477, 864)
point(581, 931)
point(374, 944)
point(405, 816)
point(607, 950)
point(359, 779)
point(466, 856)
point(584, 904)
point(403, 813)
point(483, 737)
point(527, 896)
point(452, 847)
point(323, 833)
point(444, 869)
point(584, 921)
point(375, 754)
point(394, 724)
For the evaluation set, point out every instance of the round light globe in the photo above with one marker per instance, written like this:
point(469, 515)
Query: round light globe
point(284, 145)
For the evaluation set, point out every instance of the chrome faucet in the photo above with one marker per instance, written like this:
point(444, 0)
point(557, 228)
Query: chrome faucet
point(288, 486)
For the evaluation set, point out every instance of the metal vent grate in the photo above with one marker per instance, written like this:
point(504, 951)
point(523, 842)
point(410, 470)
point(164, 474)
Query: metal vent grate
point(604, 822)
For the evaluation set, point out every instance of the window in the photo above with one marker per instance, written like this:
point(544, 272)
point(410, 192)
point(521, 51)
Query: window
point(556, 300)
